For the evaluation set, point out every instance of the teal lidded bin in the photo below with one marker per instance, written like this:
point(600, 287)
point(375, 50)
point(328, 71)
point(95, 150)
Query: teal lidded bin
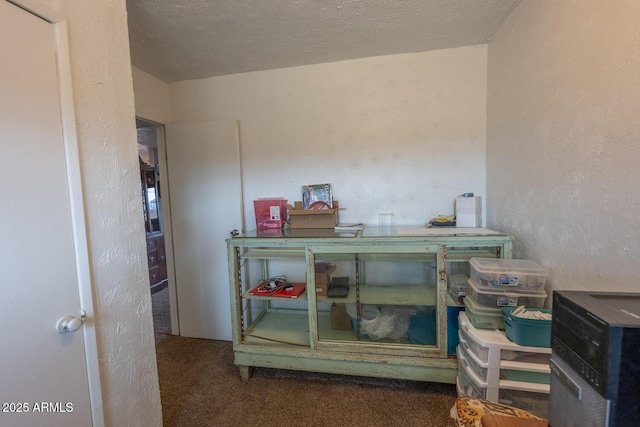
point(527, 332)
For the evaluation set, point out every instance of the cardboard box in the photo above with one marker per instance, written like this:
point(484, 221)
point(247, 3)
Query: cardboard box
point(322, 283)
point(310, 218)
point(323, 277)
point(340, 320)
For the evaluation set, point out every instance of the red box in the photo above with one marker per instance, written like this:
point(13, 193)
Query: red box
point(270, 213)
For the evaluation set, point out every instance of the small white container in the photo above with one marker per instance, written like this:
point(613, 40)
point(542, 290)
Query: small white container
point(492, 297)
point(508, 273)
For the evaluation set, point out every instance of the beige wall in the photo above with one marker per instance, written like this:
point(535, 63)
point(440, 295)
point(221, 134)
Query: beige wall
point(403, 134)
point(564, 139)
point(101, 78)
point(152, 97)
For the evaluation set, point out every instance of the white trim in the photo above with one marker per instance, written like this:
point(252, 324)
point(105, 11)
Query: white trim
point(74, 178)
point(78, 220)
point(243, 224)
point(165, 200)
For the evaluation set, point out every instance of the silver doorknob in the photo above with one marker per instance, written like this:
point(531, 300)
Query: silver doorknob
point(70, 323)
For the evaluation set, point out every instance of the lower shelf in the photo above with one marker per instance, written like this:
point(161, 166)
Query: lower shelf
point(281, 339)
point(279, 328)
point(292, 328)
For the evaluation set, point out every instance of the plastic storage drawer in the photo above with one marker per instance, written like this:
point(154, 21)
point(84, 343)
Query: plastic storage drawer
point(512, 366)
point(492, 297)
point(532, 401)
point(525, 376)
point(494, 368)
point(524, 356)
point(483, 317)
point(472, 363)
point(468, 383)
point(500, 272)
point(472, 345)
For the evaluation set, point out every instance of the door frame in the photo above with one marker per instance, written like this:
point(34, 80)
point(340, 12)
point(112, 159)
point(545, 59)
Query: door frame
point(74, 181)
point(165, 203)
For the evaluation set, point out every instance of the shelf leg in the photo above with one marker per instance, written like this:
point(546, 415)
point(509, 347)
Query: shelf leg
point(245, 373)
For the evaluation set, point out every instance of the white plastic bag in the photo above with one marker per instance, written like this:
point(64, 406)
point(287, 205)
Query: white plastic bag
point(400, 317)
point(384, 322)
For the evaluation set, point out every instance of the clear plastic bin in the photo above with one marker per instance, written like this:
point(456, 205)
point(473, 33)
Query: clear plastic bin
point(483, 317)
point(467, 384)
point(480, 351)
point(458, 285)
point(534, 402)
point(509, 273)
point(527, 357)
point(492, 297)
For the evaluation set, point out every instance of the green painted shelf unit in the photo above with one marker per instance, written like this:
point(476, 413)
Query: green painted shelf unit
point(398, 274)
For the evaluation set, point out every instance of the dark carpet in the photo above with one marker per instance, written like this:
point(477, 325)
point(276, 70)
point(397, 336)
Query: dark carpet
point(200, 386)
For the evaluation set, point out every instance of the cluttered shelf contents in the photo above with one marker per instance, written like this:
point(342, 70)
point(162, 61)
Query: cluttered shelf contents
point(386, 317)
point(504, 333)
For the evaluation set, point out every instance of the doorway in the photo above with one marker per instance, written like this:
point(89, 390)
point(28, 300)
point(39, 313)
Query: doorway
point(199, 197)
point(152, 196)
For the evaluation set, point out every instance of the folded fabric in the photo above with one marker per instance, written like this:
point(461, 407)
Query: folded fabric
point(468, 412)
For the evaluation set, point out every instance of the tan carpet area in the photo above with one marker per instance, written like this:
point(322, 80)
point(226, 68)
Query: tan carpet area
point(200, 386)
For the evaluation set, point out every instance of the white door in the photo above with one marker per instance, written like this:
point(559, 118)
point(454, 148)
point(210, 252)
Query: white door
point(43, 373)
point(203, 165)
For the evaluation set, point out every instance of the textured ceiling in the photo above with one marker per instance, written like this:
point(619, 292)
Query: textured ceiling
point(176, 40)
